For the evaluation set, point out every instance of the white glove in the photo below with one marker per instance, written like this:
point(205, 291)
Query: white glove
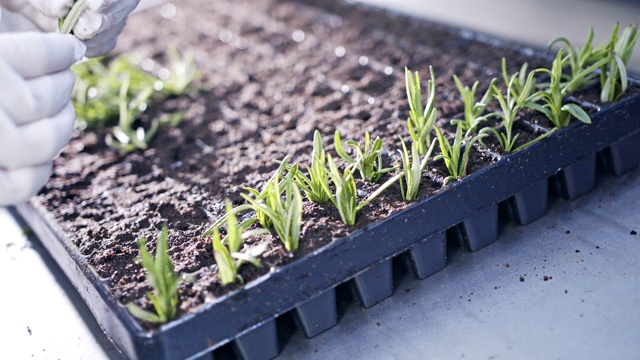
point(36, 114)
point(98, 26)
point(30, 15)
point(101, 23)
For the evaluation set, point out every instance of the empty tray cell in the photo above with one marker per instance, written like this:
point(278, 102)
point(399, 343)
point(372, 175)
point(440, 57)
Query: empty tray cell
point(375, 284)
point(318, 314)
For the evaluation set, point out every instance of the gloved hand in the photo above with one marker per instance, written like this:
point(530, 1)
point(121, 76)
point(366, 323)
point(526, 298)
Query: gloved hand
point(36, 114)
point(99, 25)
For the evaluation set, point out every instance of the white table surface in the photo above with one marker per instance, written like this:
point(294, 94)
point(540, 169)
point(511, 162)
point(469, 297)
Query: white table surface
point(475, 308)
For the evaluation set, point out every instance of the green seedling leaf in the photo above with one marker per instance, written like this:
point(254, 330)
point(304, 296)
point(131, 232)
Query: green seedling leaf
point(67, 24)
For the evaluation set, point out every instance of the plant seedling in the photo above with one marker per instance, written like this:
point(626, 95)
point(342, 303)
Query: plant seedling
point(66, 25)
point(369, 158)
point(472, 110)
point(124, 137)
point(345, 198)
point(519, 80)
point(412, 169)
point(613, 75)
point(226, 251)
point(284, 212)
point(421, 119)
point(163, 280)
point(553, 108)
point(510, 106)
point(580, 60)
point(182, 73)
point(312, 185)
point(257, 196)
point(455, 159)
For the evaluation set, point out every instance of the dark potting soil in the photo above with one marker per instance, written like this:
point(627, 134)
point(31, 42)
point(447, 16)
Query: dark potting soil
point(273, 72)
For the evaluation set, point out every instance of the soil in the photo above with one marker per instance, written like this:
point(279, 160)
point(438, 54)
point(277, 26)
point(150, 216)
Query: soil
point(273, 71)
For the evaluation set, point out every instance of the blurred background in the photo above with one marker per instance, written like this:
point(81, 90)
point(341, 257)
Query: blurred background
point(529, 22)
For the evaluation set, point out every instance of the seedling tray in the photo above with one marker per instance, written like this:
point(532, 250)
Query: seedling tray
point(466, 211)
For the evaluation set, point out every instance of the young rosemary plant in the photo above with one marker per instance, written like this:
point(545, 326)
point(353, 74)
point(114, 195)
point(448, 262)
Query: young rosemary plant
point(125, 137)
point(581, 62)
point(472, 110)
point(510, 106)
point(613, 75)
point(312, 185)
point(345, 198)
point(455, 159)
point(517, 83)
point(163, 280)
point(412, 169)
point(66, 25)
point(421, 119)
point(265, 195)
point(257, 197)
point(226, 251)
point(284, 211)
point(369, 158)
point(553, 108)
point(182, 73)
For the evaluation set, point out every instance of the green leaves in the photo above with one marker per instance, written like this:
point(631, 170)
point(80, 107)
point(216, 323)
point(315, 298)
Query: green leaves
point(421, 119)
point(284, 212)
point(610, 57)
point(552, 98)
point(369, 157)
point(116, 95)
point(472, 110)
point(226, 251)
point(163, 280)
point(345, 197)
point(411, 169)
point(66, 25)
point(454, 156)
point(613, 75)
point(314, 184)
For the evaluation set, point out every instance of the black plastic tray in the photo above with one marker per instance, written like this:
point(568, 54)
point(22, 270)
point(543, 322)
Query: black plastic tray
point(467, 211)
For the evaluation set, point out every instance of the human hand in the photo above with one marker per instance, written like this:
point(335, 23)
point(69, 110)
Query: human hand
point(41, 15)
point(36, 114)
point(101, 23)
point(98, 26)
